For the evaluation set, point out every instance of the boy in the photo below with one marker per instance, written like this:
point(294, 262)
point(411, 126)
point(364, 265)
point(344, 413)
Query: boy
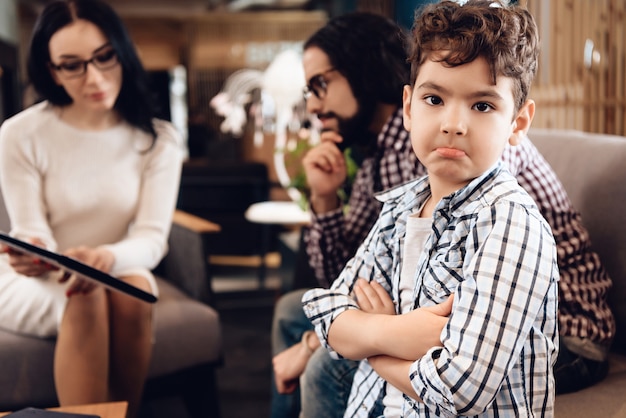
point(467, 229)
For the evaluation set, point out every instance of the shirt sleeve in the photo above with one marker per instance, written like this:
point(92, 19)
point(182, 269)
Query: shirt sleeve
point(509, 282)
point(146, 242)
point(21, 184)
point(371, 261)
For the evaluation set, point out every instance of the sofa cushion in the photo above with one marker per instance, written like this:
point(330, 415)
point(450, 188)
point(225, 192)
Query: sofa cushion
point(179, 347)
point(606, 399)
point(26, 376)
point(592, 168)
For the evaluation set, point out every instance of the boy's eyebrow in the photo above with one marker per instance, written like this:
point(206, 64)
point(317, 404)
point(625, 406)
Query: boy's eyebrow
point(489, 93)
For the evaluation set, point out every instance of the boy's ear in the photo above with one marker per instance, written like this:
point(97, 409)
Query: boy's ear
point(521, 123)
point(407, 92)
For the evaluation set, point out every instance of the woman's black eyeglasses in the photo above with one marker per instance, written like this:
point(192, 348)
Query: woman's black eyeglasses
point(103, 61)
point(317, 85)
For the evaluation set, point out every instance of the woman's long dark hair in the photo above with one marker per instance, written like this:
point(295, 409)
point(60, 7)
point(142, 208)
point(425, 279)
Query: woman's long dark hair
point(133, 102)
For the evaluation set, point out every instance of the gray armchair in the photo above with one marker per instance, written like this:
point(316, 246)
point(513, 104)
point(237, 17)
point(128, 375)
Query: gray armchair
point(592, 169)
point(188, 341)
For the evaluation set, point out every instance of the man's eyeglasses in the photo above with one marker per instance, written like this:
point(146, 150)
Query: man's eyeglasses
point(317, 85)
point(103, 61)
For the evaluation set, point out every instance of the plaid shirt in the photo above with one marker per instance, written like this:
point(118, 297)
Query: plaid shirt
point(333, 238)
point(493, 250)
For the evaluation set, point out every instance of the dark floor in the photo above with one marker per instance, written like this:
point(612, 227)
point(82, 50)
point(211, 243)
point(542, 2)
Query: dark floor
point(244, 379)
point(246, 310)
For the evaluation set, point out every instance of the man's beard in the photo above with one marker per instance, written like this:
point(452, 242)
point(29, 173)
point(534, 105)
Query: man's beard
point(355, 131)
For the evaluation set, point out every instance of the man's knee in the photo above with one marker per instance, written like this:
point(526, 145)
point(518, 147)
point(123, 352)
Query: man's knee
point(289, 321)
point(321, 367)
point(325, 385)
point(289, 305)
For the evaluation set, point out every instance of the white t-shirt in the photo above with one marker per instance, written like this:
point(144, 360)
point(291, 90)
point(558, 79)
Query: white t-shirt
point(417, 231)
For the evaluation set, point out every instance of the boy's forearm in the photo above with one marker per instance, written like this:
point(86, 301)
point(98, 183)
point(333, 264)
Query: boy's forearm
point(396, 372)
point(357, 335)
point(353, 334)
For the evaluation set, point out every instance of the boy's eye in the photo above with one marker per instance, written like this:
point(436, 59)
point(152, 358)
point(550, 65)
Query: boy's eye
point(483, 107)
point(433, 100)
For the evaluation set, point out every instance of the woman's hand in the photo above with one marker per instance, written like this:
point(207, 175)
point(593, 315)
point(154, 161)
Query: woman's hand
point(97, 258)
point(27, 264)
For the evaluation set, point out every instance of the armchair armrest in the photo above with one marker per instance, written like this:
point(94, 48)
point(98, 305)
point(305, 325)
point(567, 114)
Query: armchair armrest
point(194, 223)
point(186, 262)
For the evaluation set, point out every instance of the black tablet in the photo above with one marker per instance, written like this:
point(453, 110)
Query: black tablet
point(74, 266)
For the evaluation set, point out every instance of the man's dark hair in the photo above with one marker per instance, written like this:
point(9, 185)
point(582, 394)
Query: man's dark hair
point(370, 51)
point(134, 102)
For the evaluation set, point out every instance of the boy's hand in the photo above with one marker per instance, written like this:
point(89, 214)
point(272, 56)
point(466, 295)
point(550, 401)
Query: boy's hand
point(373, 298)
point(411, 335)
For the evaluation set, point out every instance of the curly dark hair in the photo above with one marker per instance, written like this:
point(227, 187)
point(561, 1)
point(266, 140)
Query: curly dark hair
point(506, 36)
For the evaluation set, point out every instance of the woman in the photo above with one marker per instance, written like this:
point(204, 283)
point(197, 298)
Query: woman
point(87, 172)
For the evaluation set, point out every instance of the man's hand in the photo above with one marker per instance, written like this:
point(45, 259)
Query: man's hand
point(325, 169)
point(289, 366)
point(373, 298)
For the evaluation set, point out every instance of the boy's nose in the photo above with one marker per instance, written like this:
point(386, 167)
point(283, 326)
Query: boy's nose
point(454, 124)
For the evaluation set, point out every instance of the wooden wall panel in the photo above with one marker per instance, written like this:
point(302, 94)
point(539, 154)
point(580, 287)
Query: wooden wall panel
point(224, 40)
point(160, 42)
point(582, 68)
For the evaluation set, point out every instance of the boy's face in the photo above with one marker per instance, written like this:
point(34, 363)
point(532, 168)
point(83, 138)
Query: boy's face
point(460, 122)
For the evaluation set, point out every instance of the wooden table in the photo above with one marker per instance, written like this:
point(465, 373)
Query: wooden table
point(104, 410)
